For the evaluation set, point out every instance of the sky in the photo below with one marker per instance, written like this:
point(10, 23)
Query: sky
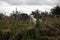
point(7, 6)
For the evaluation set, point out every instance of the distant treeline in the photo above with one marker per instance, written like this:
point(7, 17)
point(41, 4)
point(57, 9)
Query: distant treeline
point(36, 26)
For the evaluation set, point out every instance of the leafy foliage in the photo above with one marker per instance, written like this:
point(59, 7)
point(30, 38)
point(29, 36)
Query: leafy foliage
point(56, 10)
point(18, 26)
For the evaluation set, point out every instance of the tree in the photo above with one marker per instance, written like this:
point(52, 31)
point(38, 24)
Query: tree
point(24, 17)
point(37, 22)
point(37, 16)
point(1, 16)
point(56, 10)
point(36, 13)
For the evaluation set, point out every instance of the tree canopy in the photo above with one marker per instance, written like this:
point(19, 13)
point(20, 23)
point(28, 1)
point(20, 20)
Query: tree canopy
point(56, 10)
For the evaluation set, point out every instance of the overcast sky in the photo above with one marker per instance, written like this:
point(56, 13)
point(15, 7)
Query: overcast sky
point(27, 5)
point(33, 2)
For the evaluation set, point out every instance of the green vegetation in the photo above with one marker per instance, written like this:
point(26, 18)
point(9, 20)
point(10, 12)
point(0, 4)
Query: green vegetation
point(21, 26)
